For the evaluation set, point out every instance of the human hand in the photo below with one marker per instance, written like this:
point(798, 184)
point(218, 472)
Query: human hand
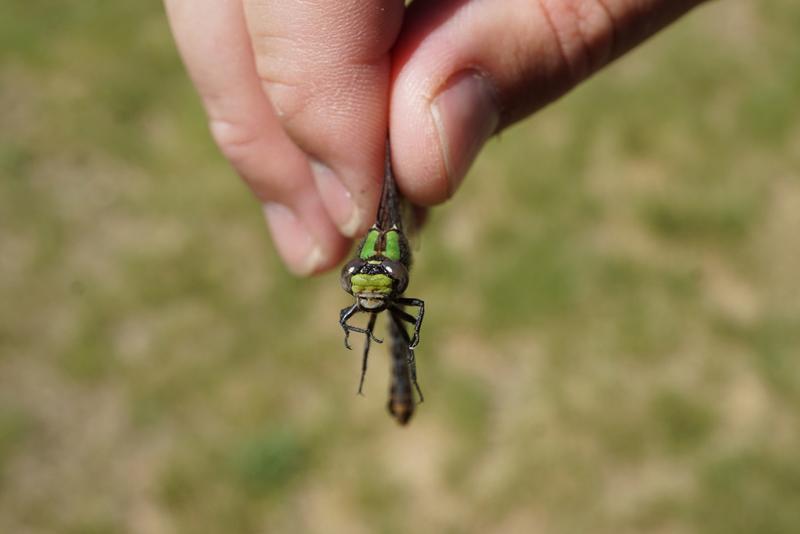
point(300, 94)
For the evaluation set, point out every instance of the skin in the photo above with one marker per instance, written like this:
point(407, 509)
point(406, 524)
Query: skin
point(300, 94)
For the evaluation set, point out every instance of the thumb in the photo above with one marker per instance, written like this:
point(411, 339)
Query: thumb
point(463, 69)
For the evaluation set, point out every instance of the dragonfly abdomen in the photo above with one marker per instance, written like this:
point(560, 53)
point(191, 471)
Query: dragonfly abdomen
point(401, 396)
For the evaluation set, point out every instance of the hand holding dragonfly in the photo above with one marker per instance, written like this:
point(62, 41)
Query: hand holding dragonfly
point(300, 95)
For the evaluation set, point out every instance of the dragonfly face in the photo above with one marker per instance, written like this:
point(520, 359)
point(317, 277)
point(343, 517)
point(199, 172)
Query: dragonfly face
point(377, 275)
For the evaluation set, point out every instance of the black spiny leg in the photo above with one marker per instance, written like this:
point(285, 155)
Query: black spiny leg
point(397, 314)
point(416, 321)
point(412, 369)
point(369, 336)
point(346, 314)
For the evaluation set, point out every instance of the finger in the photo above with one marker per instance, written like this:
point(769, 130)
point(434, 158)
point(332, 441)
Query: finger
point(325, 67)
point(213, 40)
point(466, 68)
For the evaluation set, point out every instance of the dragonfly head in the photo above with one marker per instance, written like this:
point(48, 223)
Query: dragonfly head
point(374, 282)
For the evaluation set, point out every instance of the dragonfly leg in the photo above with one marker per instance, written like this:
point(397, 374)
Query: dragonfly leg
point(416, 321)
point(370, 326)
point(397, 315)
point(344, 316)
point(412, 369)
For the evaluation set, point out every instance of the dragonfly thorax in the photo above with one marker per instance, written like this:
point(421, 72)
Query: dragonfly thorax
point(379, 245)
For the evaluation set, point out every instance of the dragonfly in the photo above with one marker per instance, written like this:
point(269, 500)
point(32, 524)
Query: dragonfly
point(377, 278)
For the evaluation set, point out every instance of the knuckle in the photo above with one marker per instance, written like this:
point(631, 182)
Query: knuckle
point(290, 88)
point(584, 32)
point(289, 84)
point(289, 100)
point(245, 148)
point(234, 138)
point(597, 29)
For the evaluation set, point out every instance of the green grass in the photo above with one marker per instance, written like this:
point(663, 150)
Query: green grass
point(611, 338)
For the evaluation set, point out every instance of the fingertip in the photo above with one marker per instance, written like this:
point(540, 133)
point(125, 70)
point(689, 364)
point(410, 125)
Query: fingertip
point(305, 246)
point(435, 140)
point(417, 156)
point(348, 216)
point(294, 243)
point(465, 115)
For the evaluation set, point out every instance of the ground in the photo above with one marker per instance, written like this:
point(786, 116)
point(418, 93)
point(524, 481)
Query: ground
point(612, 324)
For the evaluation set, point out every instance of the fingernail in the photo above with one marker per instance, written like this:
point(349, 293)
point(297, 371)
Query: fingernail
point(337, 199)
point(295, 244)
point(465, 115)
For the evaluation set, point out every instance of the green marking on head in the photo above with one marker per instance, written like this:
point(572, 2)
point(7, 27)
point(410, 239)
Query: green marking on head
point(370, 283)
point(392, 245)
point(368, 249)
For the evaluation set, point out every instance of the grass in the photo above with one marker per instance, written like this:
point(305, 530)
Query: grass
point(611, 340)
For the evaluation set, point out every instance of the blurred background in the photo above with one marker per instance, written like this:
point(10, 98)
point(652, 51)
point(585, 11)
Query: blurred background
point(613, 325)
